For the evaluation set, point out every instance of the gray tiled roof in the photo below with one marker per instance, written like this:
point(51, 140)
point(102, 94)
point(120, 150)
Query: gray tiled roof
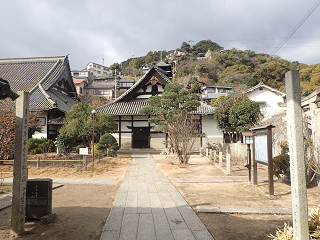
point(132, 107)
point(38, 76)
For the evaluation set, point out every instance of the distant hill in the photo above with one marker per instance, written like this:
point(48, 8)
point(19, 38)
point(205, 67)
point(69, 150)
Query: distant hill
point(209, 63)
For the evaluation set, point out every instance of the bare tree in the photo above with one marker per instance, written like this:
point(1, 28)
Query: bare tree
point(183, 134)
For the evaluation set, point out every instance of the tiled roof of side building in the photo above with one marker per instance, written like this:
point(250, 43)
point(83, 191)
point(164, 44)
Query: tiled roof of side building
point(133, 107)
point(38, 76)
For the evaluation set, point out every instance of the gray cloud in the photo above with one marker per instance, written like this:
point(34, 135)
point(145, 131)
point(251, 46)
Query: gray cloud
point(116, 29)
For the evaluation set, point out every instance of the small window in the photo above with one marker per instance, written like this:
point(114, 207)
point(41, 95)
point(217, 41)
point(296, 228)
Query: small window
point(81, 90)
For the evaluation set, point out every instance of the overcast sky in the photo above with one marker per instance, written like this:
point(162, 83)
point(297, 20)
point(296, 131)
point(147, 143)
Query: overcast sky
point(117, 29)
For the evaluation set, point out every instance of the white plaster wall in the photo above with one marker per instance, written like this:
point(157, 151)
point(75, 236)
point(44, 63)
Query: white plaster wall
point(210, 128)
point(157, 143)
point(271, 100)
point(125, 125)
point(44, 128)
point(140, 124)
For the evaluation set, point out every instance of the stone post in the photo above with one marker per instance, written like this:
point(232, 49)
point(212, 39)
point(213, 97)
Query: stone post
point(220, 159)
point(20, 172)
point(297, 162)
point(228, 163)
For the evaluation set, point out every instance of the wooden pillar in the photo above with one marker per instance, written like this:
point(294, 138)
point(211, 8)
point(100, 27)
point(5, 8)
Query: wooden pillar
point(119, 131)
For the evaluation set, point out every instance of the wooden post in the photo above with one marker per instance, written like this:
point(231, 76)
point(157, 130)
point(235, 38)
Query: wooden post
point(85, 162)
point(38, 161)
point(270, 162)
point(296, 152)
point(20, 172)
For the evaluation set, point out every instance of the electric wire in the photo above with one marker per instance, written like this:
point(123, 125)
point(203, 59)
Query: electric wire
point(299, 24)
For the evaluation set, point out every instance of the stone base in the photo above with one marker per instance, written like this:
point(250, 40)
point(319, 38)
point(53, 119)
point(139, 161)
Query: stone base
point(48, 218)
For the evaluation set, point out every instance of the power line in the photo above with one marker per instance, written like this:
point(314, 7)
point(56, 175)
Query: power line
point(266, 39)
point(299, 24)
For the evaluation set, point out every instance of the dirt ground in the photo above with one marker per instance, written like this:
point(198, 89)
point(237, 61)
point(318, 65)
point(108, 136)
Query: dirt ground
point(232, 226)
point(82, 209)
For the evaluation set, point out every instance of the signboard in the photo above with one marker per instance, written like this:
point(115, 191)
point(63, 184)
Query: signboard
point(83, 151)
point(39, 198)
point(261, 149)
point(262, 153)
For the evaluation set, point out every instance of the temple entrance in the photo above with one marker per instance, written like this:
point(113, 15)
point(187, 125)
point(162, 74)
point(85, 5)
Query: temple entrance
point(141, 137)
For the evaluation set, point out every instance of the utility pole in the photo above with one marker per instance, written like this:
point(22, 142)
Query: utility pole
point(115, 84)
point(190, 42)
point(132, 65)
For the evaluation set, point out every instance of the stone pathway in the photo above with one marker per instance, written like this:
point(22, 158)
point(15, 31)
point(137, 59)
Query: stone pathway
point(148, 206)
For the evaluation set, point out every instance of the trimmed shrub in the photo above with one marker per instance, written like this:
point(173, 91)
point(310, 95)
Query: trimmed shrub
point(65, 143)
point(109, 144)
point(281, 166)
point(40, 145)
point(281, 163)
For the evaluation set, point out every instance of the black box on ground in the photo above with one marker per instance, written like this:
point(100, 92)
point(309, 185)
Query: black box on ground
point(39, 198)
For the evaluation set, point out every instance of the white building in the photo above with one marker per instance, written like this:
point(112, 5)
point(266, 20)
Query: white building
point(268, 98)
point(213, 92)
point(98, 70)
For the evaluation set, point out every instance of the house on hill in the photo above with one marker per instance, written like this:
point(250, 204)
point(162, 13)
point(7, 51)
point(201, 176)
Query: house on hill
point(213, 92)
point(134, 130)
point(268, 98)
point(51, 88)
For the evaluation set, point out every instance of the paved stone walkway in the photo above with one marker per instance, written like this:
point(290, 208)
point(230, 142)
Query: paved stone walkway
point(148, 206)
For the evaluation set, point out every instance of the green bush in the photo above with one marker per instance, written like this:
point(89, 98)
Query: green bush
point(109, 144)
point(40, 145)
point(281, 166)
point(65, 143)
point(281, 163)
